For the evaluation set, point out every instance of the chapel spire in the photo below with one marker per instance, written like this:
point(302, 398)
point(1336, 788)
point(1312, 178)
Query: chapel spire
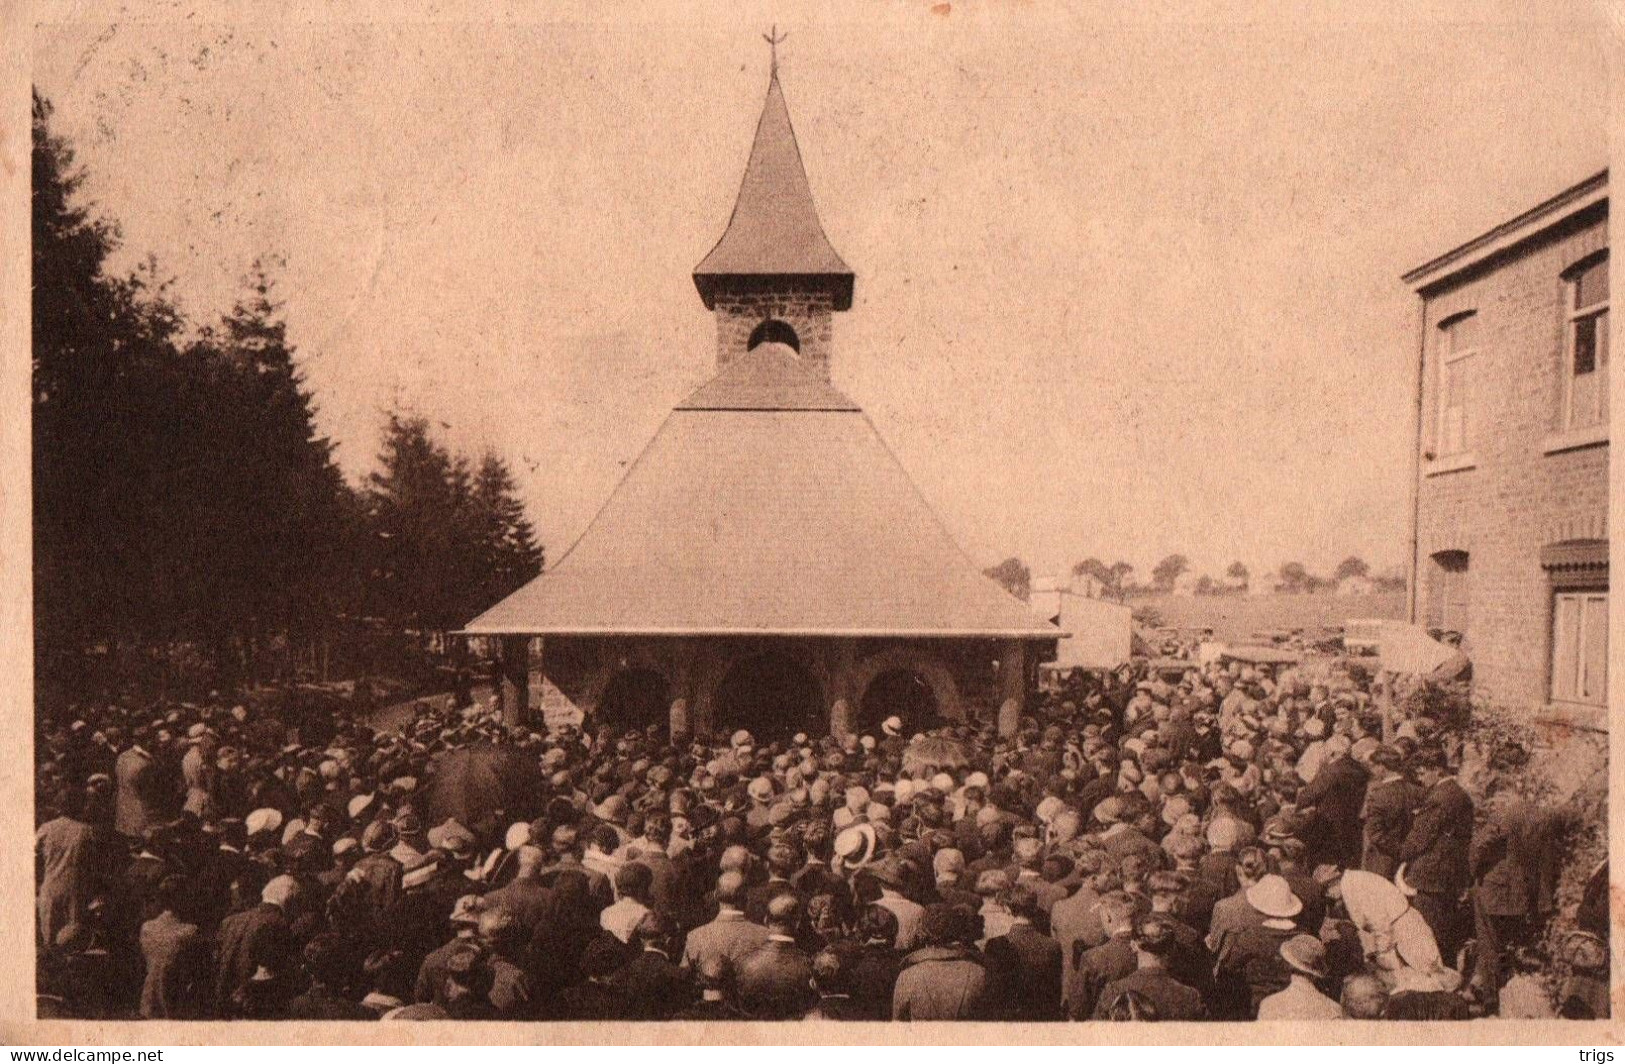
point(774, 238)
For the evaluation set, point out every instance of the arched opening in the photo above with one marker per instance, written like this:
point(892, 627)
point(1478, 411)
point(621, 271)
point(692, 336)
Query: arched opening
point(634, 698)
point(901, 693)
point(774, 331)
point(772, 695)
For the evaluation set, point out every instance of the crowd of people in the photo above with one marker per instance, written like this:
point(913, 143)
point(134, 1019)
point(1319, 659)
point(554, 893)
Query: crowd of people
point(1242, 842)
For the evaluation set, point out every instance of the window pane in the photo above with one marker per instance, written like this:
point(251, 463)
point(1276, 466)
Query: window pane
point(1602, 363)
point(1453, 407)
point(1585, 346)
point(1591, 286)
point(1588, 389)
point(1594, 669)
point(1565, 647)
point(1585, 402)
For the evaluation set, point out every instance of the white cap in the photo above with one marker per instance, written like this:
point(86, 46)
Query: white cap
point(262, 820)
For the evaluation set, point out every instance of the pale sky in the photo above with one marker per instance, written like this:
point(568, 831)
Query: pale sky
point(1123, 287)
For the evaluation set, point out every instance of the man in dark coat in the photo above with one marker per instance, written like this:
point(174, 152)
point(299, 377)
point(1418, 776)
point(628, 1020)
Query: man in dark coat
point(774, 981)
point(1026, 964)
point(525, 896)
point(872, 970)
point(1435, 852)
point(946, 979)
point(651, 984)
point(783, 861)
point(835, 1000)
point(252, 939)
point(1333, 800)
point(328, 962)
point(596, 997)
point(1107, 962)
point(1389, 800)
point(1155, 943)
point(148, 792)
point(1515, 861)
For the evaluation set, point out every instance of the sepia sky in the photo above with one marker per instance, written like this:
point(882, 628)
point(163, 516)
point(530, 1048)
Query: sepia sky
point(1123, 287)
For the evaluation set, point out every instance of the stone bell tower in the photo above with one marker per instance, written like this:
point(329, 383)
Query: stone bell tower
point(773, 277)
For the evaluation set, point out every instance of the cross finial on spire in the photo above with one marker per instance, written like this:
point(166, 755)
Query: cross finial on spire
point(773, 38)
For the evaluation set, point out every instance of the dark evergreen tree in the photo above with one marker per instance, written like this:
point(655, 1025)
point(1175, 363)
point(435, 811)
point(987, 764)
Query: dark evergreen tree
point(414, 513)
point(509, 556)
point(102, 369)
point(286, 491)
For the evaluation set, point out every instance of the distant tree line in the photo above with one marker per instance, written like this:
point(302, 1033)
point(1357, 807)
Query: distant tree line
point(183, 495)
point(1116, 580)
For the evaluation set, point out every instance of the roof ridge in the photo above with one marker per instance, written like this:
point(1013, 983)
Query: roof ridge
point(769, 376)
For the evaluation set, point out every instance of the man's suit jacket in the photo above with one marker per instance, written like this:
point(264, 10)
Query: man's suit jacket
point(1436, 849)
point(730, 937)
point(248, 939)
point(774, 981)
point(1515, 860)
point(148, 793)
point(1073, 920)
point(1104, 964)
point(652, 987)
point(1026, 970)
point(1337, 794)
point(1387, 815)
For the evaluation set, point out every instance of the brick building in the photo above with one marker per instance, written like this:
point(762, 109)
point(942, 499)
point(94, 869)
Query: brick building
point(1510, 524)
point(766, 563)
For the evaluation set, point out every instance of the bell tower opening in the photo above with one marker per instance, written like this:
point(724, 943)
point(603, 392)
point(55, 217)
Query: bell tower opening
point(774, 331)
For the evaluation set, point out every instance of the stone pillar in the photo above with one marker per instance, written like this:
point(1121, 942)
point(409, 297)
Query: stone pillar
point(1012, 686)
point(680, 720)
point(702, 687)
point(843, 711)
point(514, 692)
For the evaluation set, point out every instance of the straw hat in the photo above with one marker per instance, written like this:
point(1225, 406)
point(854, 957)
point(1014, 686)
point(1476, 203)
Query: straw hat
point(1273, 897)
point(855, 847)
point(1307, 954)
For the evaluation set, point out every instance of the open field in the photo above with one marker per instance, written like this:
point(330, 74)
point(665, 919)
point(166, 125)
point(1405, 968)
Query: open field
point(1238, 616)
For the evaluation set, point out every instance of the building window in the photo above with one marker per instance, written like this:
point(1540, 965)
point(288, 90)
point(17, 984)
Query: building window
point(1448, 591)
point(1578, 570)
point(1457, 343)
point(1580, 647)
point(1585, 377)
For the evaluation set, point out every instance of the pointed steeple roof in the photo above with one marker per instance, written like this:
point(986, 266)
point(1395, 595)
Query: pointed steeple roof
point(774, 231)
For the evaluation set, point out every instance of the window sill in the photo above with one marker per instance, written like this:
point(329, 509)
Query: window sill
point(1450, 463)
point(1574, 715)
point(1574, 439)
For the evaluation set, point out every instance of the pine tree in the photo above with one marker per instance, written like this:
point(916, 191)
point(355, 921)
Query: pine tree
point(103, 371)
point(289, 542)
point(506, 540)
point(413, 504)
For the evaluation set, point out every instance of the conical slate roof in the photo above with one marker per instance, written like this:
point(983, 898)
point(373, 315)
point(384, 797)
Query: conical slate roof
point(774, 230)
point(767, 504)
